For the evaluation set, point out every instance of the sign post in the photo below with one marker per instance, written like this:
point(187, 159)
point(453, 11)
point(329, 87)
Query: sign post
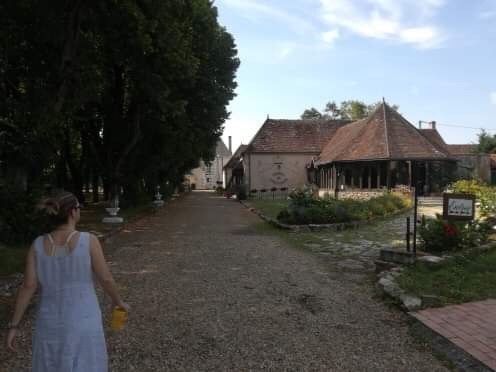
point(458, 207)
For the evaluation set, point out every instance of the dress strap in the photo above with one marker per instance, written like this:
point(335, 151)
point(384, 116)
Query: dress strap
point(70, 237)
point(50, 238)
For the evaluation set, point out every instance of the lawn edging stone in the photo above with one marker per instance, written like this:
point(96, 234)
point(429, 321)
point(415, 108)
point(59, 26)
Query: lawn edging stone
point(389, 286)
point(318, 227)
point(387, 278)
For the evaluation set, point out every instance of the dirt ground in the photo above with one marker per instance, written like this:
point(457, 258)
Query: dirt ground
point(212, 291)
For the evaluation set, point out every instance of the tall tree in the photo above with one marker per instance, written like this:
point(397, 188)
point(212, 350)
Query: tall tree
point(487, 143)
point(347, 110)
point(311, 113)
point(134, 92)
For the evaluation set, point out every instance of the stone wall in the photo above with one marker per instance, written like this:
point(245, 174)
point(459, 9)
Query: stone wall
point(477, 166)
point(360, 194)
point(276, 170)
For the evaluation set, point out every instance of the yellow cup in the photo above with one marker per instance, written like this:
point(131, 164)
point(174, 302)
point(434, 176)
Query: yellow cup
point(119, 318)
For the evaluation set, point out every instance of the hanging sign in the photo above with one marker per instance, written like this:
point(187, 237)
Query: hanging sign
point(458, 206)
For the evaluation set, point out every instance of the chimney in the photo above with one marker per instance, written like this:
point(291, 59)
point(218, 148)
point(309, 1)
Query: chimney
point(230, 144)
point(433, 124)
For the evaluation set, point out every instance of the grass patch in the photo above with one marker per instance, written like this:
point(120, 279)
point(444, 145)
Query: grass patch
point(12, 260)
point(460, 279)
point(270, 208)
point(92, 215)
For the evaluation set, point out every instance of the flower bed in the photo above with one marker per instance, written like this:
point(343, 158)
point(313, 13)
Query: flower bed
point(438, 235)
point(305, 209)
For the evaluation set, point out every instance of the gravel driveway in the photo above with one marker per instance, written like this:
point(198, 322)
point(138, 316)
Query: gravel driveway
point(210, 292)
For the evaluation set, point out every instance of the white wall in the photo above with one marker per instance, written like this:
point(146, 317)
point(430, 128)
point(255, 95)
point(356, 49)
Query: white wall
point(265, 171)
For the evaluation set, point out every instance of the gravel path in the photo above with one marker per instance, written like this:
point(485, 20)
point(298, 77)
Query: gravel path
point(210, 292)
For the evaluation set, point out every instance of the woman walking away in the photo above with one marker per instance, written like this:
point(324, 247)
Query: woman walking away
point(68, 335)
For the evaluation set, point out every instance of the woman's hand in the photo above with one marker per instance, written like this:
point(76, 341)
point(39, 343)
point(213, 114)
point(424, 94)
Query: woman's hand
point(11, 338)
point(123, 305)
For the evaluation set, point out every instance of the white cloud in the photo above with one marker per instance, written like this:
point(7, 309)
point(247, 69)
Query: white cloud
point(492, 97)
point(285, 50)
point(330, 37)
point(261, 9)
point(402, 21)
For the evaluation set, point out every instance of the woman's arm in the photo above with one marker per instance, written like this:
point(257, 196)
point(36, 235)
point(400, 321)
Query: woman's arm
point(24, 295)
point(102, 272)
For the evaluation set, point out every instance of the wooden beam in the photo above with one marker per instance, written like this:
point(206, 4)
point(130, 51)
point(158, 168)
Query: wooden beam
point(388, 175)
point(379, 175)
point(409, 173)
point(427, 176)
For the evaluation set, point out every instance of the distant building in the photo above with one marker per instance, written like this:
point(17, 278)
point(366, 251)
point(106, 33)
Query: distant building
point(209, 175)
point(235, 168)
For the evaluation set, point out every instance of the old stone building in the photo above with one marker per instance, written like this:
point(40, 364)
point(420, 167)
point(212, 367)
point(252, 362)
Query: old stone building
point(209, 175)
point(382, 151)
point(280, 151)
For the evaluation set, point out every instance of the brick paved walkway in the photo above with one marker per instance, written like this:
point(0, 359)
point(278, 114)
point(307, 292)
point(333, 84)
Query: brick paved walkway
point(470, 326)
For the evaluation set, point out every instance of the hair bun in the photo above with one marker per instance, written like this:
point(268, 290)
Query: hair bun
point(50, 207)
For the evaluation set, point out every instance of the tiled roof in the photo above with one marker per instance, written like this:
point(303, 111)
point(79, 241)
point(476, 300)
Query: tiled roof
point(462, 149)
point(435, 138)
point(221, 149)
point(233, 162)
point(294, 136)
point(385, 134)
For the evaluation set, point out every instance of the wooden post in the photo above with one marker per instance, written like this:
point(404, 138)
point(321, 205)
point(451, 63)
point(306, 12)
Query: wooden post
point(370, 177)
point(427, 177)
point(360, 178)
point(379, 175)
point(388, 175)
point(352, 178)
point(334, 181)
point(409, 173)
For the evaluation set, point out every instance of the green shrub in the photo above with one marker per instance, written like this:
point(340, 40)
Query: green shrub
point(304, 208)
point(20, 221)
point(485, 194)
point(438, 235)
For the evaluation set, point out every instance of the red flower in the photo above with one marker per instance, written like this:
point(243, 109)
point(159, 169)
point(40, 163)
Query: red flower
point(450, 230)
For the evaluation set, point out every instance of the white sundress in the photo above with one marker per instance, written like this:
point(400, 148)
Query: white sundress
point(68, 335)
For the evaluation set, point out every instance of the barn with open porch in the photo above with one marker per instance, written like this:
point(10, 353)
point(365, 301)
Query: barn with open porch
point(381, 152)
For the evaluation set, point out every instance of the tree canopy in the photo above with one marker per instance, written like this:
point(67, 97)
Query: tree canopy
point(124, 94)
point(347, 110)
point(487, 143)
point(132, 93)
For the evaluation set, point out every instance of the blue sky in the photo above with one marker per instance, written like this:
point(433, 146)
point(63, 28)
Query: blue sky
point(436, 59)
